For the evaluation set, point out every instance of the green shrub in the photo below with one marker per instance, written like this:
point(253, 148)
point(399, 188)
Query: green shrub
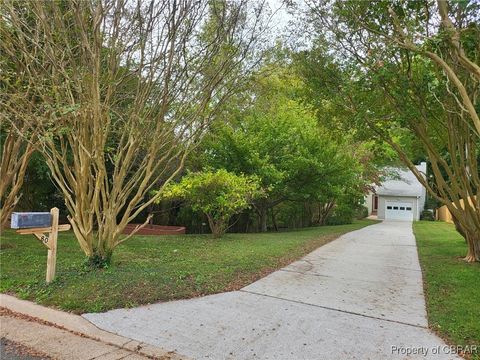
point(341, 215)
point(427, 215)
point(362, 212)
point(432, 203)
point(217, 194)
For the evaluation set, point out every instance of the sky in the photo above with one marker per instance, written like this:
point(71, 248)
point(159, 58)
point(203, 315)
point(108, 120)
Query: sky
point(281, 16)
point(282, 21)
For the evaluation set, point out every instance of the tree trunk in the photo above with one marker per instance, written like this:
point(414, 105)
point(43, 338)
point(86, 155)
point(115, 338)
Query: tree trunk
point(324, 211)
point(274, 221)
point(218, 227)
point(100, 258)
point(470, 232)
point(263, 219)
point(473, 243)
point(15, 156)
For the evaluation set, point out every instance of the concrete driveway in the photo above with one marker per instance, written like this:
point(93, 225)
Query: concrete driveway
point(358, 297)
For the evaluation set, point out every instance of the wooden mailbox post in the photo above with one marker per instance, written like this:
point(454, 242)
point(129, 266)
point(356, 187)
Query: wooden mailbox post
point(48, 237)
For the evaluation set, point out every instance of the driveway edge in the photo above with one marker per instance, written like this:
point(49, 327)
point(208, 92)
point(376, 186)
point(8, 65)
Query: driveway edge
point(79, 325)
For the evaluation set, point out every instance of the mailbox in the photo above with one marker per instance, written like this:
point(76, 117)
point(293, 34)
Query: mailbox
point(37, 224)
point(25, 220)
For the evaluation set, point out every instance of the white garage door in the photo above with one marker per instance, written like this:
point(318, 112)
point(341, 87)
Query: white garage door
point(398, 211)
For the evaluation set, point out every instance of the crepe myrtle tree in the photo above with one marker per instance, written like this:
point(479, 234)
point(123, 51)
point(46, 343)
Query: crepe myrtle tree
point(16, 142)
point(119, 92)
point(16, 151)
point(217, 194)
point(411, 68)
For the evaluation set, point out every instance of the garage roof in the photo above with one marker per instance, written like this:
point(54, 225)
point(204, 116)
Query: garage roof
point(404, 183)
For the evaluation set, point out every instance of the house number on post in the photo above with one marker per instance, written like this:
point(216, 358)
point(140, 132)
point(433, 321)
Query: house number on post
point(44, 239)
point(38, 224)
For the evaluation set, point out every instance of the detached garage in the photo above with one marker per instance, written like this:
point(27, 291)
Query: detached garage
point(398, 208)
point(402, 198)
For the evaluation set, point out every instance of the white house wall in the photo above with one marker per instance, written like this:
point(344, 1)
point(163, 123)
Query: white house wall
point(421, 204)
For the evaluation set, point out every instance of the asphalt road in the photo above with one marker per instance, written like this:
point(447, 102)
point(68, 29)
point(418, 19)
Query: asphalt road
point(12, 351)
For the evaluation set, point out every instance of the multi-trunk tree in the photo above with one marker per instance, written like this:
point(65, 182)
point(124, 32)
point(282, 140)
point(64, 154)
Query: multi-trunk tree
point(409, 69)
point(119, 92)
point(17, 137)
point(16, 151)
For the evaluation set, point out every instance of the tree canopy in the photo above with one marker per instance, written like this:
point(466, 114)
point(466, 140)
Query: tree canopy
point(278, 140)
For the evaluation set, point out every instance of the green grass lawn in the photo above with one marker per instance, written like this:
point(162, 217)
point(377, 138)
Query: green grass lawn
point(452, 287)
point(149, 269)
